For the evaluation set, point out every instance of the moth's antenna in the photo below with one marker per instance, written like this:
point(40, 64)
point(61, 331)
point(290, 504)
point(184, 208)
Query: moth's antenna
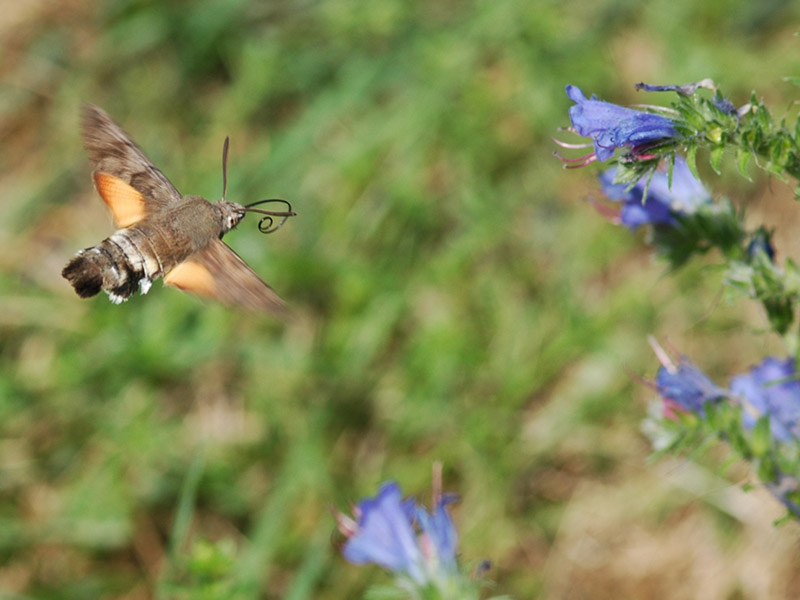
point(225, 167)
point(265, 225)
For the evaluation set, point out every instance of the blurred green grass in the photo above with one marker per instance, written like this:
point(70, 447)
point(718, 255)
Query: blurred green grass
point(454, 298)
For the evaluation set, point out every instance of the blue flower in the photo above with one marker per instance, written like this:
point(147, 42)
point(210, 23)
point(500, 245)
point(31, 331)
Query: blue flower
point(612, 126)
point(687, 387)
point(439, 537)
point(634, 213)
point(402, 536)
point(761, 241)
point(771, 388)
point(384, 534)
point(663, 202)
point(724, 105)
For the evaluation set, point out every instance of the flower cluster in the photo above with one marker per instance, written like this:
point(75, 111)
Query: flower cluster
point(651, 184)
point(652, 181)
point(767, 396)
point(770, 390)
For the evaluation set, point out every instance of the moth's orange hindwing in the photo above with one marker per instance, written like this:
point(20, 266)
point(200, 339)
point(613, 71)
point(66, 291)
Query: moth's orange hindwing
point(126, 204)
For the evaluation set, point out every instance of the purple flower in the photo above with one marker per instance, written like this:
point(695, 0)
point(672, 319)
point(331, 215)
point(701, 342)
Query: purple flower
point(663, 203)
point(761, 242)
point(384, 533)
point(439, 537)
point(686, 387)
point(612, 126)
point(771, 388)
point(634, 213)
point(724, 105)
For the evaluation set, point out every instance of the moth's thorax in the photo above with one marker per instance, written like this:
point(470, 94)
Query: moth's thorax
point(198, 218)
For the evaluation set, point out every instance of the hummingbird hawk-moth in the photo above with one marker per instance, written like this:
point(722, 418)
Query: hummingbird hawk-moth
point(161, 233)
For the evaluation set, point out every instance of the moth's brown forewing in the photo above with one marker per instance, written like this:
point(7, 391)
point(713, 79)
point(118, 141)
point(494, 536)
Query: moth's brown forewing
point(111, 151)
point(160, 233)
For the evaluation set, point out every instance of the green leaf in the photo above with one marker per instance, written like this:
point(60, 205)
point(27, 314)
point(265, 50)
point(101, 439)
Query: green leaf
point(385, 592)
point(624, 174)
point(691, 160)
point(742, 160)
point(716, 157)
point(761, 438)
point(766, 469)
point(793, 80)
point(670, 170)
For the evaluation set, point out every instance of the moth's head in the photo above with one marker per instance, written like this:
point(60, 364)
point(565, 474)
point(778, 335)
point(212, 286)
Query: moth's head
point(230, 213)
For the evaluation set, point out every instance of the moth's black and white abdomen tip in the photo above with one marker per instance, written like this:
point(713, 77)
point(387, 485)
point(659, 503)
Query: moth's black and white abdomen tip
point(85, 275)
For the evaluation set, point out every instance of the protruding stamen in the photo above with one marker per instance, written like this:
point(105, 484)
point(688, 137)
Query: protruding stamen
point(573, 146)
point(662, 355)
point(576, 163)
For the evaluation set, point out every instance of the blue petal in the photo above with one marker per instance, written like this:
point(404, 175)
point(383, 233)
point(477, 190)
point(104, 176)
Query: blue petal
point(761, 242)
point(385, 535)
point(612, 126)
point(686, 194)
point(724, 105)
point(634, 213)
point(663, 202)
point(689, 387)
point(615, 191)
point(441, 531)
point(772, 388)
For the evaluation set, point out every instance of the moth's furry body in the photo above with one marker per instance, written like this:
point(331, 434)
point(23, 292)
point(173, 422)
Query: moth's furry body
point(160, 233)
point(133, 257)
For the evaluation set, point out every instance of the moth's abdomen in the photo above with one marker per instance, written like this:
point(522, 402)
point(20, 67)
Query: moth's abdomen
point(118, 265)
point(103, 267)
point(85, 273)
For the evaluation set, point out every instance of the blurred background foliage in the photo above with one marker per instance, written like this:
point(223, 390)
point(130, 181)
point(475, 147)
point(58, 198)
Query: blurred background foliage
point(454, 298)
